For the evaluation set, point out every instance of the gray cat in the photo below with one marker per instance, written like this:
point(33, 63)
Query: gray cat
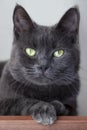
point(41, 77)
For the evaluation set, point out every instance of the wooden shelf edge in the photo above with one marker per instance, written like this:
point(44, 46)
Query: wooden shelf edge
point(61, 118)
point(27, 123)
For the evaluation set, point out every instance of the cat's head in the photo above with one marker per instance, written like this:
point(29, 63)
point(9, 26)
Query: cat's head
point(45, 55)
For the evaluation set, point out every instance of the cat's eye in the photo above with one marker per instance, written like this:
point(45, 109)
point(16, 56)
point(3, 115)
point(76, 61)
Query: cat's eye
point(59, 53)
point(30, 52)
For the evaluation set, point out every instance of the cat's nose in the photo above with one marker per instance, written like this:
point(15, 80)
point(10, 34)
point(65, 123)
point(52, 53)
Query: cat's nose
point(43, 64)
point(43, 68)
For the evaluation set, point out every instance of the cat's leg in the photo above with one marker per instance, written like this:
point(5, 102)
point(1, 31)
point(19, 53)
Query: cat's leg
point(68, 107)
point(15, 106)
point(42, 112)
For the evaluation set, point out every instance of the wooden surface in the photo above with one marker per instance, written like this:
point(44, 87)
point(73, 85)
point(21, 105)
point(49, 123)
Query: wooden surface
point(26, 123)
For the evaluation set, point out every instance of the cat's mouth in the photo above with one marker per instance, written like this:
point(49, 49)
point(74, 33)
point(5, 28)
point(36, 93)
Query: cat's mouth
point(42, 80)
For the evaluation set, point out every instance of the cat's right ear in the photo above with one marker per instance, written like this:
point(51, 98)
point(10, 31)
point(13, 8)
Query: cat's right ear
point(22, 21)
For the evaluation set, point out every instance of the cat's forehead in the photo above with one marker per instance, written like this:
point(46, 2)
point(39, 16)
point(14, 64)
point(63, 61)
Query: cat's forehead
point(43, 36)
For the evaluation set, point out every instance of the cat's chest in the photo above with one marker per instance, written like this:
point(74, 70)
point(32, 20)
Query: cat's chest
point(34, 92)
point(45, 94)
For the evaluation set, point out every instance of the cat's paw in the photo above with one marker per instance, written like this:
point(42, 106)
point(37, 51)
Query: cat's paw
point(44, 113)
point(59, 107)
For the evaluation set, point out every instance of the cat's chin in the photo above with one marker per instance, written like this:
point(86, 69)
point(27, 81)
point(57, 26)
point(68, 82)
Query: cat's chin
point(42, 82)
point(48, 82)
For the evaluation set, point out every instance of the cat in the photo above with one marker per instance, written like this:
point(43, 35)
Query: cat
point(41, 77)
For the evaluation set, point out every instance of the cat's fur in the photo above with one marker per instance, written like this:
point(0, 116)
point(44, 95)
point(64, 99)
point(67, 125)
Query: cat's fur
point(43, 86)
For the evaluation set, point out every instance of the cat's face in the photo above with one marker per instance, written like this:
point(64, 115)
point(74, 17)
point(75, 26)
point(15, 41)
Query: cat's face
point(45, 55)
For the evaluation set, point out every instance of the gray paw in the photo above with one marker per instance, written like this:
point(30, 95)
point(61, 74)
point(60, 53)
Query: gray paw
point(44, 113)
point(59, 107)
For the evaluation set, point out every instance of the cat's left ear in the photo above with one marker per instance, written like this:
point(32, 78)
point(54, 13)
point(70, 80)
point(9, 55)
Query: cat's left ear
point(69, 23)
point(22, 21)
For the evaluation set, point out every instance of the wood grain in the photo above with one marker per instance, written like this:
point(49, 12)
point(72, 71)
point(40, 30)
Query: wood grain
point(26, 123)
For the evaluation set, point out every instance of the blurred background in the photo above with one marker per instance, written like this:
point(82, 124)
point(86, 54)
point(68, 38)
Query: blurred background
point(46, 12)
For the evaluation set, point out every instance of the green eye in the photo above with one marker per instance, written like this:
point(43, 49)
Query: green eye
point(30, 52)
point(58, 53)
